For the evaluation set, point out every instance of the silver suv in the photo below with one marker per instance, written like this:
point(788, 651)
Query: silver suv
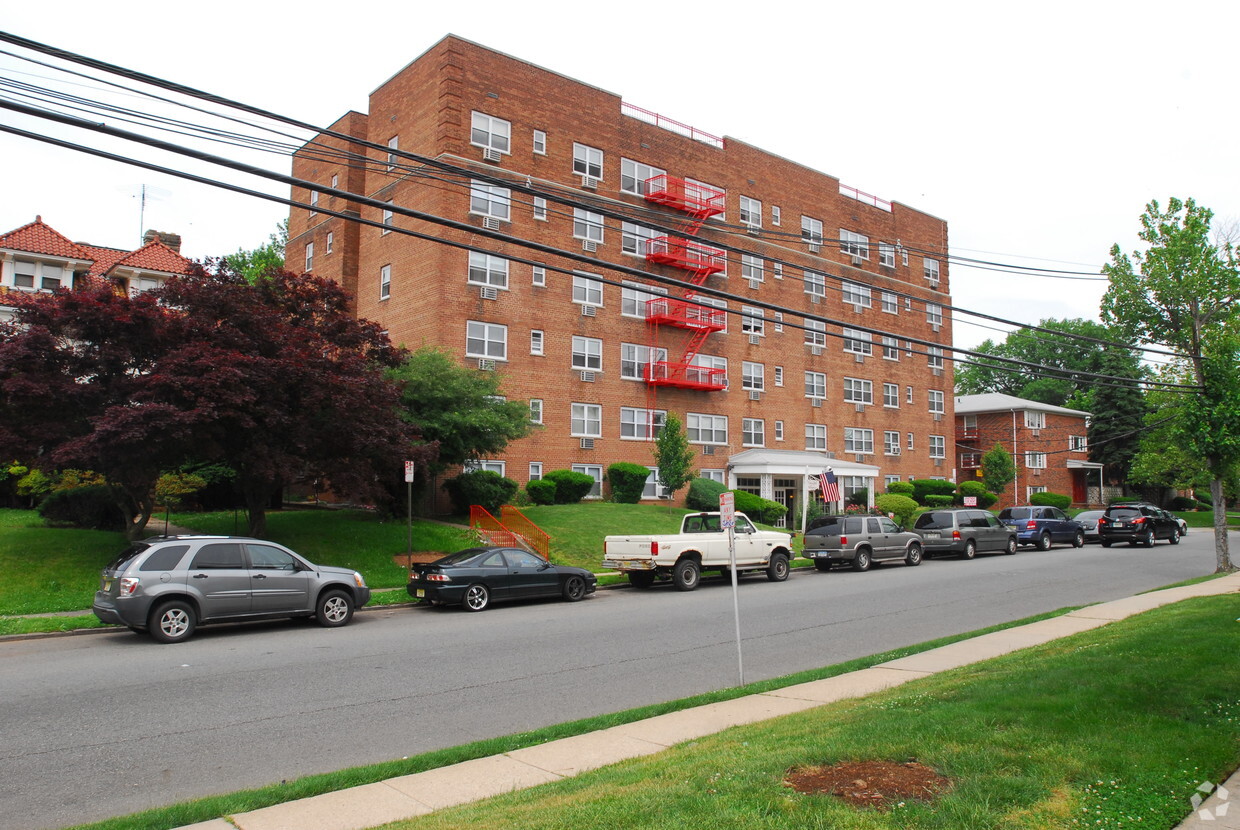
point(964, 532)
point(861, 541)
point(169, 584)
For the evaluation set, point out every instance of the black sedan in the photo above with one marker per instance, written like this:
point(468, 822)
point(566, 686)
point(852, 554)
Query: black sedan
point(476, 577)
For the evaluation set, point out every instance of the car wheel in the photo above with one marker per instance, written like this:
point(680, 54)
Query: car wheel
point(641, 579)
point(1175, 537)
point(823, 565)
point(777, 568)
point(1010, 550)
point(1044, 542)
point(913, 557)
point(334, 609)
point(686, 575)
point(970, 549)
point(1148, 539)
point(861, 562)
point(574, 588)
point(1106, 543)
point(476, 598)
point(172, 622)
point(1078, 541)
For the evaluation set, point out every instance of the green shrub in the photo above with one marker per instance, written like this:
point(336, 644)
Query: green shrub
point(1183, 503)
point(482, 487)
point(570, 487)
point(758, 509)
point(541, 491)
point(1051, 500)
point(704, 494)
point(1204, 497)
point(627, 482)
point(91, 507)
point(861, 498)
point(901, 488)
point(938, 500)
point(898, 505)
point(977, 490)
point(923, 487)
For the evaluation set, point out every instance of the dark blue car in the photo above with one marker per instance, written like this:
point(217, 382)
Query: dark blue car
point(1042, 526)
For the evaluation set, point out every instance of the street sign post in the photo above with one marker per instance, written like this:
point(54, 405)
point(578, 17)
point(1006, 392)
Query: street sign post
point(409, 471)
point(727, 520)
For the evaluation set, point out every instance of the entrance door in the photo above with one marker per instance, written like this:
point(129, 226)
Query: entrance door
point(785, 492)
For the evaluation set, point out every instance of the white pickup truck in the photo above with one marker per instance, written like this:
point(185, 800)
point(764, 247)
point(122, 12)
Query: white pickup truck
point(700, 545)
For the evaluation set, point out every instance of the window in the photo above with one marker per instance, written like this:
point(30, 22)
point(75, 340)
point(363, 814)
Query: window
point(753, 432)
point(930, 270)
point(490, 132)
point(815, 333)
point(779, 321)
point(309, 256)
point(934, 357)
point(779, 375)
point(779, 430)
point(385, 282)
point(910, 446)
point(540, 142)
point(594, 471)
point(587, 420)
point(536, 410)
point(857, 390)
point(891, 443)
point(936, 401)
point(891, 395)
point(486, 269)
point(1035, 460)
point(858, 342)
point(634, 174)
point(489, 200)
point(891, 303)
point(537, 339)
point(904, 256)
point(775, 212)
point(859, 441)
point(387, 218)
point(751, 212)
point(710, 361)
point(635, 239)
point(752, 268)
point(854, 244)
point(706, 429)
point(850, 485)
point(587, 161)
point(711, 475)
point(887, 255)
point(588, 353)
point(331, 241)
point(635, 358)
point(1031, 490)
point(314, 203)
point(815, 436)
point(538, 275)
point(654, 487)
point(703, 192)
point(1035, 420)
point(335, 181)
point(587, 290)
point(587, 225)
point(535, 470)
point(815, 385)
point(715, 302)
point(855, 294)
point(938, 446)
point(934, 314)
point(811, 230)
point(815, 284)
point(393, 145)
point(753, 376)
point(908, 394)
point(486, 340)
point(1078, 443)
point(752, 320)
point(634, 297)
point(888, 480)
point(641, 424)
point(891, 348)
point(540, 208)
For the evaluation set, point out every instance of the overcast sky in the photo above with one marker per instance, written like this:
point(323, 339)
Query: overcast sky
point(1039, 133)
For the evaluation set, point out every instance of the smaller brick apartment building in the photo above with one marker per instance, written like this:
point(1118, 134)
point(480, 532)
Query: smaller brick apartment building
point(1048, 443)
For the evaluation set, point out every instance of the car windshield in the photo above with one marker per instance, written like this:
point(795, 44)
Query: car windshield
point(1123, 512)
point(825, 526)
point(461, 556)
point(935, 519)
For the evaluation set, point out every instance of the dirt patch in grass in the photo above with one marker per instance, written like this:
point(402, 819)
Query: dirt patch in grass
point(423, 557)
point(879, 784)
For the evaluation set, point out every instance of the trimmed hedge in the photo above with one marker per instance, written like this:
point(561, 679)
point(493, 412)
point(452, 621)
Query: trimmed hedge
point(900, 506)
point(482, 487)
point(91, 507)
point(758, 509)
point(975, 488)
point(924, 487)
point(704, 494)
point(1183, 503)
point(541, 491)
point(1051, 500)
point(570, 487)
point(901, 488)
point(936, 500)
point(627, 482)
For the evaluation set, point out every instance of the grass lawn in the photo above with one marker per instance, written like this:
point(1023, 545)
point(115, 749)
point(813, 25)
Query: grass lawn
point(577, 530)
point(49, 569)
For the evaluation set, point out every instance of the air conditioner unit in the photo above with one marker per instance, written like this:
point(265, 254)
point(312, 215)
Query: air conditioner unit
point(589, 245)
point(815, 299)
point(938, 416)
point(708, 450)
point(815, 402)
point(490, 223)
point(755, 394)
point(755, 284)
point(856, 260)
point(934, 327)
point(753, 229)
point(938, 462)
point(489, 292)
point(1037, 471)
point(814, 247)
point(815, 350)
point(588, 311)
point(1035, 432)
point(486, 364)
point(859, 407)
point(587, 377)
point(589, 182)
point(755, 339)
point(587, 443)
point(490, 154)
point(938, 373)
point(859, 358)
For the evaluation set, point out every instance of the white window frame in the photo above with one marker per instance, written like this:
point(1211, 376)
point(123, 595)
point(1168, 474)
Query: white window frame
point(635, 239)
point(474, 465)
point(775, 215)
point(930, 270)
point(858, 342)
point(540, 208)
point(594, 471)
point(751, 212)
point(815, 333)
point(753, 432)
point(934, 357)
point(314, 203)
point(891, 303)
point(779, 375)
point(309, 256)
point(536, 470)
point(815, 436)
point(714, 302)
point(536, 410)
point(854, 244)
point(634, 174)
point(910, 444)
point(635, 423)
point(588, 226)
point(1035, 460)
point(859, 390)
point(490, 132)
point(703, 428)
point(753, 376)
point(586, 420)
point(887, 255)
point(891, 395)
point(331, 241)
point(587, 289)
point(385, 282)
point(538, 342)
point(779, 430)
point(855, 294)
point(938, 446)
point(492, 336)
point(634, 297)
point(712, 475)
point(753, 268)
point(490, 200)
point(934, 314)
point(891, 348)
point(858, 441)
point(387, 219)
point(1078, 443)
point(815, 384)
point(587, 354)
point(937, 402)
point(891, 443)
point(538, 275)
point(811, 230)
point(753, 320)
point(393, 143)
point(540, 142)
point(587, 161)
point(1035, 419)
point(815, 283)
point(634, 357)
point(488, 270)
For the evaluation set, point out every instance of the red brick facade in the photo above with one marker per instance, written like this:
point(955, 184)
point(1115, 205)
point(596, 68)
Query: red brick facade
point(429, 108)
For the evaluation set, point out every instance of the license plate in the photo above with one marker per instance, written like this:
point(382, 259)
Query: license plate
point(421, 593)
point(107, 584)
point(933, 534)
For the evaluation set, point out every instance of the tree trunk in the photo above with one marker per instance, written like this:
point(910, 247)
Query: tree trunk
point(1222, 556)
point(256, 496)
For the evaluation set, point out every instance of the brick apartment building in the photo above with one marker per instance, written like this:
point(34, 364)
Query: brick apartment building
point(861, 385)
point(1048, 444)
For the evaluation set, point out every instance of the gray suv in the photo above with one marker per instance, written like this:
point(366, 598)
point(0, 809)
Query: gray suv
point(964, 532)
point(859, 540)
point(167, 585)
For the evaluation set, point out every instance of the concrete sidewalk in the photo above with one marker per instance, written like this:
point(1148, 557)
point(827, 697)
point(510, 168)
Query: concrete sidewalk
point(414, 795)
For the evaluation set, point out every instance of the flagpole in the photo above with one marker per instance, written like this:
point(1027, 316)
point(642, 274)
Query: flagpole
point(805, 501)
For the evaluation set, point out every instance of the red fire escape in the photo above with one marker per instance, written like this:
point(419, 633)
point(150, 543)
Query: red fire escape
point(700, 203)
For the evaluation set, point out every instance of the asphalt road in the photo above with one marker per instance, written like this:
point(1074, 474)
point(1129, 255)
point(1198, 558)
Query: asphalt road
point(107, 724)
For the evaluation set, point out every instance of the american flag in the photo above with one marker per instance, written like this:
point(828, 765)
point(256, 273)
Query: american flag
point(830, 486)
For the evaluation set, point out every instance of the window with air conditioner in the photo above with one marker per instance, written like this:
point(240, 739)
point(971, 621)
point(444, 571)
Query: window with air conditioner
point(587, 161)
point(490, 132)
point(934, 314)
point(858, 342)
point(753, 376)
point(587, 290)
point(587, 354)
point(855, 294)
point(587, 420)
point(486, 340)
point(490, 200)
point(858, 390)
point(751, 212)
point(854, 244)
point(635, 239)
point(930, 269)
point(487, 269)
point(938, 446)
point(587, 226)
point(891, 443)
point(811, 230)
point(706, 429)
point(815, 436)
point(1035, 460)
point(858, 441)
point(815, 384)
point(537, 340)
point(815, 333)
point(934, 357)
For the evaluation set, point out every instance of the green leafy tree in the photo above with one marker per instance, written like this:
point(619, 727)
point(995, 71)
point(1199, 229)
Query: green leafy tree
point(1118, 413)
point(998, 469)
point(1182, 293)
point(266, 257)
point(673, 455)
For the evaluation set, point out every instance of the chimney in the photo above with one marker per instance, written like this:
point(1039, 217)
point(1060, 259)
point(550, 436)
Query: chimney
point(171, 240)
